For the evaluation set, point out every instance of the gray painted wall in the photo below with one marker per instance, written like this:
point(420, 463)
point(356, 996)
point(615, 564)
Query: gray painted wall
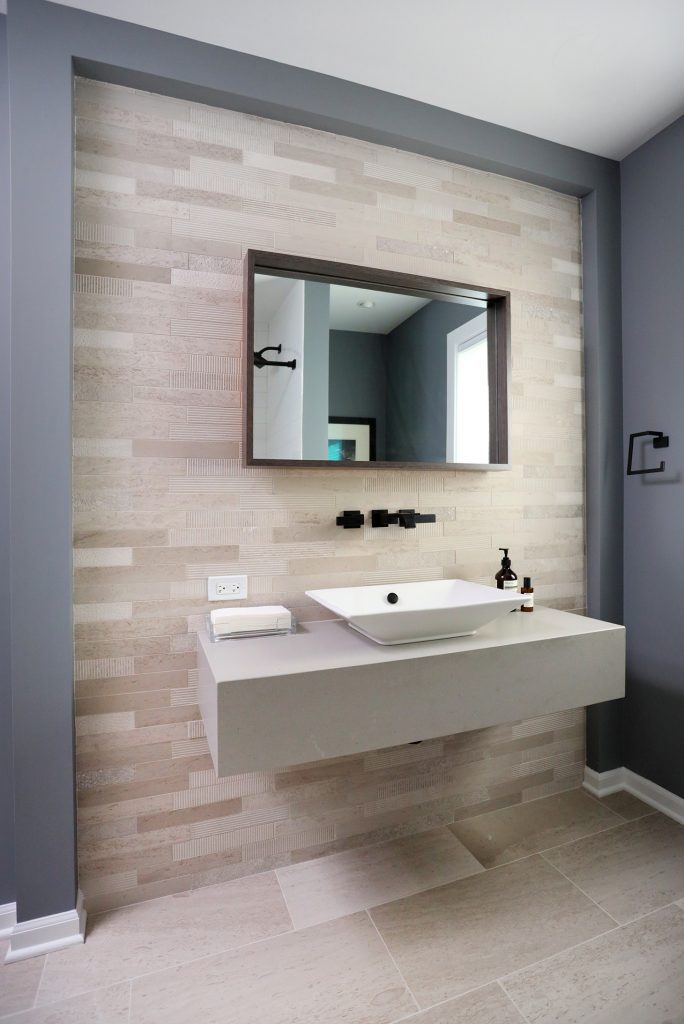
point(357, 379)
point(653, 273)
point(42, 672)
point(46, 41)
point(416, 360)
point(6, 782)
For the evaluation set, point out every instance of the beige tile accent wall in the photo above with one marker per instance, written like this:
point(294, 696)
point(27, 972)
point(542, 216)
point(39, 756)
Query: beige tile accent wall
point(168, 197)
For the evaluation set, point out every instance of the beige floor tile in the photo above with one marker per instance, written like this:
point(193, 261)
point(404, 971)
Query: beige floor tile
point(338, 971)
point(343, 883)
point(630, 870)
point(633, 975)
point(489, 1005)
point(513, 832)
point(463, 935)
point(104, 1006)
point(18, 982)
point(165, 932)
point(626, 805)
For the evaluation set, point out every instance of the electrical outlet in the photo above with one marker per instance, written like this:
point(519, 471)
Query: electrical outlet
point(226, 588)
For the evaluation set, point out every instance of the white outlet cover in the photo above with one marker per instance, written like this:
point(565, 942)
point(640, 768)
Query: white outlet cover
point(226, 588)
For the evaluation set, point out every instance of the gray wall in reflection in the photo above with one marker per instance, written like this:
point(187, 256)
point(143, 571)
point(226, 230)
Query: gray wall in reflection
point(357, 380)
point(416, 360)
point(399, 379)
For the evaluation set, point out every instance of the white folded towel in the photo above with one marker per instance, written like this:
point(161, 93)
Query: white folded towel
point(250, 620)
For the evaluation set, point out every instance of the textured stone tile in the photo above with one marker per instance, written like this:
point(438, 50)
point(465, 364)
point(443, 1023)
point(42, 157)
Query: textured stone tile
point(488, 1005)
point(104, 1006)
point(514, 832)
point(630, 870)
point(169, 196)
point(165, 933)
point(463, 935)
point(18, 981)
point(626, 805)
point(334, 886)
point(336, 971)
point(632, 975)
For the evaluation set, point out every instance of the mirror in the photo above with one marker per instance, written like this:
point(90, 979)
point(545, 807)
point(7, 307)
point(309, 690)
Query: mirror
point(356, 367)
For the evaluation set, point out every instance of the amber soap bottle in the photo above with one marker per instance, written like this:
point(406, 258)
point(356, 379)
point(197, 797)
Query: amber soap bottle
point(527, 591)
point(505, 578)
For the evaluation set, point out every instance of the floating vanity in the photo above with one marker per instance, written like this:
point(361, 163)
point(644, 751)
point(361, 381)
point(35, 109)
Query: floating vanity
point(326, 690)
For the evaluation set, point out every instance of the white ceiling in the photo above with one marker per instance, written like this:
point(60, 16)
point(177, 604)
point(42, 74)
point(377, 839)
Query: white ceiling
point(387, 312)
point(600, 75)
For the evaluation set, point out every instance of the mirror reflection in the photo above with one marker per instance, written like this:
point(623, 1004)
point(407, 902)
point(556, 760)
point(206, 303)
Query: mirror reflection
point(344, 373)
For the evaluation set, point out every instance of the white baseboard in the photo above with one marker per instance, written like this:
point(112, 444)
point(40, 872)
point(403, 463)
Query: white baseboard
point(622, 779)
point(604, 783)
point(8, 919)
point(46, 934)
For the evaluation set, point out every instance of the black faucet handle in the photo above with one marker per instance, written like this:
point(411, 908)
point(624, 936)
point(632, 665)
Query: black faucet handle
point(406, 517)
point(382, 517)
point(350, 520)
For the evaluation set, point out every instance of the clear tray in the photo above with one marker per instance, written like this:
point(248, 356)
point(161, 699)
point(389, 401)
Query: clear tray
point(242, 634)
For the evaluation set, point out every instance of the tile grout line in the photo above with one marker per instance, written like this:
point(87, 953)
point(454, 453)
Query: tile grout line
point(513, 1002)
point(444, 1002)
point(287, 905)
point(365, 846)
point(40, 982)
point(171, 967)
point(598, 799)
point(522, 803)
point(396, 965)
point(558, 846)
point(581, 890)
point(561, 952)
point(92, 917)
point(396, 899)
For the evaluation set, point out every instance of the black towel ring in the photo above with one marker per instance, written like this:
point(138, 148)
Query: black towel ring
point(660, 440)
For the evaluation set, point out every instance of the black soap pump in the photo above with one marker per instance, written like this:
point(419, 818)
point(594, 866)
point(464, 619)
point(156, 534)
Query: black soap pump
point(505, 578)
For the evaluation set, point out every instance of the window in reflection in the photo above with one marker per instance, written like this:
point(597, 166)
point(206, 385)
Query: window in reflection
point(468, 393)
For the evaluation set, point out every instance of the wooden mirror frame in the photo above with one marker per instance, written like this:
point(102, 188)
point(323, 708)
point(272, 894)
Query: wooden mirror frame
point(498, 334)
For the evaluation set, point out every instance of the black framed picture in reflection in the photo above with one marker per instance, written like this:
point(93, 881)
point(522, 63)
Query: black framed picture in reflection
point(351, 439)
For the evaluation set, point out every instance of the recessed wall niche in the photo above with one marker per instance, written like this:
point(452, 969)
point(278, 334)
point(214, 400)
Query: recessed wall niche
point(169, 197)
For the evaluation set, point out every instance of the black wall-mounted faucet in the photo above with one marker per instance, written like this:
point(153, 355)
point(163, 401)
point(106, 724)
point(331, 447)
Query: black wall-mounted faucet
point(406, 517)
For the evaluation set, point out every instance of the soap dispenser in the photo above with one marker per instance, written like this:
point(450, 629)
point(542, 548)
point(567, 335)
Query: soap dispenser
point(505, 578)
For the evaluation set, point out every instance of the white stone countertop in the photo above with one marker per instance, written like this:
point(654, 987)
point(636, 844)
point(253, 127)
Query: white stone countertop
point(331, 644)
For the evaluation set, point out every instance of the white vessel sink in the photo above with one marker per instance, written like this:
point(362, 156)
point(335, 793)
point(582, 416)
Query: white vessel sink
point(423, 611)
